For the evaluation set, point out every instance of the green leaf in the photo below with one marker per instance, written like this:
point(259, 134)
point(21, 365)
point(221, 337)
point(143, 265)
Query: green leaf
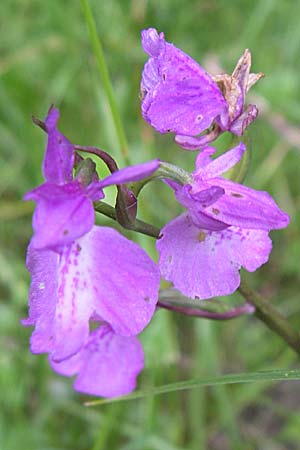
point(235, 378)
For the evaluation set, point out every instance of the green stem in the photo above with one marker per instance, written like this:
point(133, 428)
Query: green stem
point(139, 225)
point(271, 317)
point(104, 74)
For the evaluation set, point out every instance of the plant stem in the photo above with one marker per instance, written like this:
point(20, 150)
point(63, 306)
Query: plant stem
point(106, 158)
point(139, 225)
point(271, 317)
point(231, 314)
point(104, 74)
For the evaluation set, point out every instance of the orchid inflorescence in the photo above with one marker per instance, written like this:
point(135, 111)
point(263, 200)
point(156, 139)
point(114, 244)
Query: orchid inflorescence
point(93, 290)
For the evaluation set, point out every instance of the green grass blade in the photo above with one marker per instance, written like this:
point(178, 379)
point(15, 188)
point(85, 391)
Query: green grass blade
point(235, 378)
point(104, 74)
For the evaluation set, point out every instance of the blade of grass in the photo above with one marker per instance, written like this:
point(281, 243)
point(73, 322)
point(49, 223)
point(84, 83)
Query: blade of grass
point(235, 378)
point(104, 75)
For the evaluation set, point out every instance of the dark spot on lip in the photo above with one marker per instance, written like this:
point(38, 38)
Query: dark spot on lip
point(78, 248)
point(236, 194)
point(215, 211)
point(201, 236)
point(164, 76)
point(65, 232)
point(147, 299)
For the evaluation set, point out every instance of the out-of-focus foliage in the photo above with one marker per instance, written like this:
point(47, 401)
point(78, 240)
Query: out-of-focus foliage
point(46, 58)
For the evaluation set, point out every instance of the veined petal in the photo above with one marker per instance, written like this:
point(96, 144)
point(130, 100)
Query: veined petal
point(101, 275)
point(59, 157)
point(131, 173)
point(63, 213)
point(107, 366)
point(244, 207)
point(42, 265)
point(185, 107)
point(75, 300)
point(203, 264)
point(179, 96)
point(124, 281)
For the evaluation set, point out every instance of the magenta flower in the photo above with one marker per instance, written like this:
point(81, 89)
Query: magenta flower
point(81, 273)
point(107, 365)
point(102, 276)
point(64, 210)
point(225, 228)
point(180, 97)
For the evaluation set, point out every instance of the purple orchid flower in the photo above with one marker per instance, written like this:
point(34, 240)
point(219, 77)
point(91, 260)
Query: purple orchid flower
point(225, 228)
point(101, 278)
point(180, 97)
point(65, 209)
point(106, 356)
point(82, 273)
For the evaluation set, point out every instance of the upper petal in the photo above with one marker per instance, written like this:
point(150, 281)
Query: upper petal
point(63, 213)
point(203, 264)
point(184, 107)
point(107, 366)
point(131, 173)
point(179, 96)
point(59, 156)
point(244, 207)
point(216, 167)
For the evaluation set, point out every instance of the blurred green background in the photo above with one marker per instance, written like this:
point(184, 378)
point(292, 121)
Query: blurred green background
point(46, 57)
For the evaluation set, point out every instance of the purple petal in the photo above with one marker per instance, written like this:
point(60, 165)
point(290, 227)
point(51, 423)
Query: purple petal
point(203, 264)
point(197, 204)
point(107, 366)
point(219, 165)
point(244, 207)
point(63, 213)
point(209, 196)
point(152, 42)
point(124, 280)
point(185, 107)
point(75, 300)
point(131, 173)
point(204, 158)
point(101, 275)
point(42, 265)
point(59, 157)
point(179, 96)
point(194, 143)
